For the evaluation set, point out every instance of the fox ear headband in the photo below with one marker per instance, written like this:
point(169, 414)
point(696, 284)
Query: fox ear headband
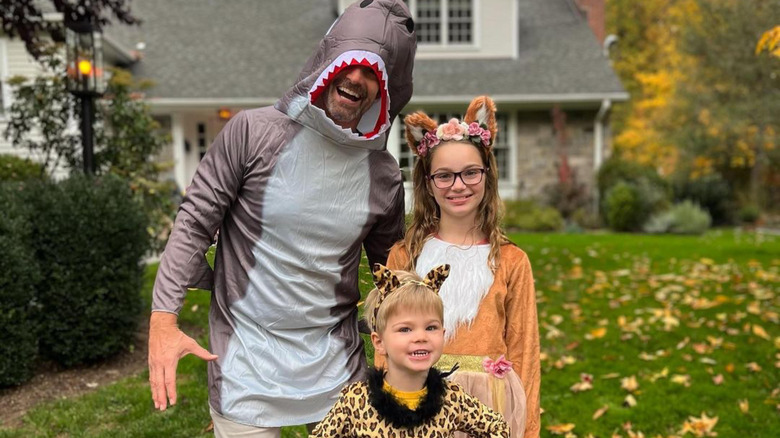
point(386, 282)
point(479, 127)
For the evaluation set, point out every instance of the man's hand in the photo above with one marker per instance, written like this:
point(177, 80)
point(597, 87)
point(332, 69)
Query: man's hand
point(168, 344)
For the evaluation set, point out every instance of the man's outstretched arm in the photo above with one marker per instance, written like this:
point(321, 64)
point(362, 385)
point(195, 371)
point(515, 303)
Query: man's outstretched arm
point(214, 188)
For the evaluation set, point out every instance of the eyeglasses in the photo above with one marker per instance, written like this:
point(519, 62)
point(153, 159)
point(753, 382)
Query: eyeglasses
point(445, 180)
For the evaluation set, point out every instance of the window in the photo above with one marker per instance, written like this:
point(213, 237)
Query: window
point(406, 158)
point(501, 147)
point(443, 22)
point(202, 144)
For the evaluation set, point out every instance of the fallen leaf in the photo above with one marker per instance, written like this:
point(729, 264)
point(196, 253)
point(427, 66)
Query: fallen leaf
point(600, 411)
point(629, 383)
point(560, 429)
point(754, 367)
point(92, 385)
point(717, 379)
point(681, 379)
point(629, 401)
point(596, 333)
point(744, 405)
point(581, 386)
point(729, 368)
point(700, 427)
point(760, 332)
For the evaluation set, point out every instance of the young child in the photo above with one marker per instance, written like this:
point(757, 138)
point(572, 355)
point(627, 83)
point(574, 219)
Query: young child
point(490, 306)
point(410, 399)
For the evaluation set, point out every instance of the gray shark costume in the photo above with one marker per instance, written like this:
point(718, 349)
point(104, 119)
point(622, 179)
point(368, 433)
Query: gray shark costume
point(294, 197)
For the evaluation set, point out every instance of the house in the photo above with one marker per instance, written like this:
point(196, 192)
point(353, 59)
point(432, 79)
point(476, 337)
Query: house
point(209, 59)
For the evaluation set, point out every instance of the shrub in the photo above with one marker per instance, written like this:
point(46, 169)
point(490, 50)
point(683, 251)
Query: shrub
point(615, 170)
point(586, 219)
point(712, 192)
point(749, 214)
point(13, 168)
point(684, 218)
point(90, 237)
point(567, 196)
point(18, 277)
point(624, 210)
point(528, 215)
point(651, 191)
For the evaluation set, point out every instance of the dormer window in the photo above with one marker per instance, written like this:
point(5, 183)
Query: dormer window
point(443, 22)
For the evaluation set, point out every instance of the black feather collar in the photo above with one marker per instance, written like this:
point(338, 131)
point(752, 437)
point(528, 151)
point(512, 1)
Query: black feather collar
point(398, 414)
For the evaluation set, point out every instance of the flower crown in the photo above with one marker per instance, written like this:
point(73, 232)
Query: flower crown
point(478, 126)
point(386, 282)
point(454, 130)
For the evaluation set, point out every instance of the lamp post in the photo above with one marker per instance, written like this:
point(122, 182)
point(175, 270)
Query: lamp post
point(85, 78)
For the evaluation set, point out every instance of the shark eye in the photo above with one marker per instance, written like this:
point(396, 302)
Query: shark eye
point(365, 3)
point(409, 25)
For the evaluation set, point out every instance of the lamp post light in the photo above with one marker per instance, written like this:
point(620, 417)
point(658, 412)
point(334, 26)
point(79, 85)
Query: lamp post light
point(85, 78)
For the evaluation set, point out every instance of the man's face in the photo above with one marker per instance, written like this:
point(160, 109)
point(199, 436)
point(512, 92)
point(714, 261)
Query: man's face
point(350, 94)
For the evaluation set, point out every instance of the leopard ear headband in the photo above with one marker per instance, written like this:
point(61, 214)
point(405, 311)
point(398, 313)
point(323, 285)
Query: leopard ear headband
point(386, 282)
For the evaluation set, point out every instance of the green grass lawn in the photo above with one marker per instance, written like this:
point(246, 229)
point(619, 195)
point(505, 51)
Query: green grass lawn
point(688, 326)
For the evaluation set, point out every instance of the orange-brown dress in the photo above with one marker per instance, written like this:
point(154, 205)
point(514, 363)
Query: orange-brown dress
point(506, 324)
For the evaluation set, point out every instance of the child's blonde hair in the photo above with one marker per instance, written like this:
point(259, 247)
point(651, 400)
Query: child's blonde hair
point(426, 214)
point(408, 293)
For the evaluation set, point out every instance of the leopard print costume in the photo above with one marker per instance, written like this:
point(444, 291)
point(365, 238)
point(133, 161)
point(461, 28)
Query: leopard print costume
point(364, 410)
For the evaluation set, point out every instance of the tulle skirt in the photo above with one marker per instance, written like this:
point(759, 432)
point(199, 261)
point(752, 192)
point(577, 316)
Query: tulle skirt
point(505, 395)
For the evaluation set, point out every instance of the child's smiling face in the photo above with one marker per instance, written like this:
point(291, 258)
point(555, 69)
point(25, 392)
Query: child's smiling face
point(460, 201)
point(412, 341)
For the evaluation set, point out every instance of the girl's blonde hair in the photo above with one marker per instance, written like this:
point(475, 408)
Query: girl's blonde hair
point(411, 295)
point(426, 214)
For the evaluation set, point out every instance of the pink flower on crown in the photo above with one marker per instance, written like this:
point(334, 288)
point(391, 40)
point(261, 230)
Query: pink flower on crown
point(498, 368)
point(452, 130)
point(428, 141)
point(474, 129)
point(485, 135)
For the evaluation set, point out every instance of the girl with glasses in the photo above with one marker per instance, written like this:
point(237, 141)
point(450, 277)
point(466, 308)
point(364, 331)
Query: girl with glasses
point(490, 319)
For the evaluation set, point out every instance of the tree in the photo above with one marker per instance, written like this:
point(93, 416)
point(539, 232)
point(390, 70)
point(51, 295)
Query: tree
point(770, 42)
point(649, 63)
point(727, 107)
point(126, 134)
point(24, 18)
point(41, 116)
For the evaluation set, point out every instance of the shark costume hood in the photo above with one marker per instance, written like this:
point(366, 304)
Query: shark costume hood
point(295, 198)
point(375, 34)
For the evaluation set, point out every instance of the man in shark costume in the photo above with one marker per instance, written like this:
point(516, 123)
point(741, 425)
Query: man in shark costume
point(295, 190)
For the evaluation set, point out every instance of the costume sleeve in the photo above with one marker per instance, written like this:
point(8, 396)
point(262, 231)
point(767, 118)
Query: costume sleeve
point(522, 335)
point(387, 230)
point(478, 420)
point(214, 187)
point(338, 422)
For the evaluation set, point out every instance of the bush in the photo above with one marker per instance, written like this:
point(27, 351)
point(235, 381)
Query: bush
point(749, 214)
point(623, 207)
point(90, 237)
point(567, 197)
point(615, 170)
point(13, 168)
point(712, 192)
point(684, 218)
point(18, 277)
point(586, 219)
point(527, 215)
point(650, 191)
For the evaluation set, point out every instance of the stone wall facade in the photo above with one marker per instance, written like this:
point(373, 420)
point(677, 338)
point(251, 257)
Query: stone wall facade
point(538, 150)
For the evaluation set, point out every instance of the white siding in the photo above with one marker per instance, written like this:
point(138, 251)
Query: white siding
point(495, 33)
point(14, 61)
